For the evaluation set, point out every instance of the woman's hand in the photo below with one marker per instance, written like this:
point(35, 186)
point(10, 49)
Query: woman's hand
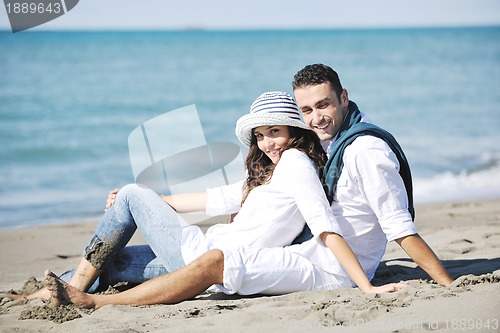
point(342, 251)
point(111, 197)
point(386, 288)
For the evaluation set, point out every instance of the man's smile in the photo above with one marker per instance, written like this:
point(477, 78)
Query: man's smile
point(323, 125)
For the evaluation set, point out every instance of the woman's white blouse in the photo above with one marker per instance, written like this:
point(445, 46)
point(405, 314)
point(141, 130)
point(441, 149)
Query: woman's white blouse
point(275, 213)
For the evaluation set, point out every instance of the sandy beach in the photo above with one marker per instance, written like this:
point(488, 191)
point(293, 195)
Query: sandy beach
point(465, 235)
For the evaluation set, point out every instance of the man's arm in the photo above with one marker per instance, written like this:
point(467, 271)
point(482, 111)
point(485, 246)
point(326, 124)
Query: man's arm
point(425, 258)
point(380, 181)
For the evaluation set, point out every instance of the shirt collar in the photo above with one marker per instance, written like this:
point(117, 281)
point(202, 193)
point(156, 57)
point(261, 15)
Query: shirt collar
point(328, 144)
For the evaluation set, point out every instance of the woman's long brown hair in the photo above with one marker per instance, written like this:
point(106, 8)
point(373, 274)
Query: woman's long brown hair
point(260, 168)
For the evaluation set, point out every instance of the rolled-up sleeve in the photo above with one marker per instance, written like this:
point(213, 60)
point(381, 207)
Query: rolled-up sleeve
point(224, 200)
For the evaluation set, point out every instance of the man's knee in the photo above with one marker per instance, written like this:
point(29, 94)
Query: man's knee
point(212, 262)
point(215, 258)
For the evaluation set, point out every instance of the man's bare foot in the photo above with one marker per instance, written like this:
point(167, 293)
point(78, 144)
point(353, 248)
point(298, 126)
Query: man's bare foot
point(62, 293)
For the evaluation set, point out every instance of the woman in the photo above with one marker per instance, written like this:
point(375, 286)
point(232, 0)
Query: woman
point(281, 191)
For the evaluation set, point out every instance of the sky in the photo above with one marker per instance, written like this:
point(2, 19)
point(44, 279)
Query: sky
point(269, 14)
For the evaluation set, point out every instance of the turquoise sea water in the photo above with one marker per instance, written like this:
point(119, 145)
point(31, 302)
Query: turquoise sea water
point(68, 101)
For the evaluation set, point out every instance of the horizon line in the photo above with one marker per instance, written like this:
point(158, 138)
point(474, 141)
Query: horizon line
point(255, 29)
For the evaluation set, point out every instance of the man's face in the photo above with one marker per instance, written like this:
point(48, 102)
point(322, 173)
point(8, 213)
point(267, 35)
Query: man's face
point(321, 109)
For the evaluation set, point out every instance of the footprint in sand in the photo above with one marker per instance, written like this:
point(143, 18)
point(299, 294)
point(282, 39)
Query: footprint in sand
point(461, 246)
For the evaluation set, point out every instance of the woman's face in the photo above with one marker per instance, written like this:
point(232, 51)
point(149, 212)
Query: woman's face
point(271, 140)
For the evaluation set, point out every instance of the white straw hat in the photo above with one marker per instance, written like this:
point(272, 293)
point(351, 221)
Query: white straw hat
point(272, 109)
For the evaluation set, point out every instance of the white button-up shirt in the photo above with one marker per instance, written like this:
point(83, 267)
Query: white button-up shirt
point(273, 214)
point(370, 205)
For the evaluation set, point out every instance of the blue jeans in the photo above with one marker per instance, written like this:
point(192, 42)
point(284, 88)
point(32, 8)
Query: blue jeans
point(135, 207)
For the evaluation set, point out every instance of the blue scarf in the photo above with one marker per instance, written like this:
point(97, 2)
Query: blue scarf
point(351, 128)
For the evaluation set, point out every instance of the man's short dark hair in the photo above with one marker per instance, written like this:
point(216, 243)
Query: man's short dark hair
point(317, 74)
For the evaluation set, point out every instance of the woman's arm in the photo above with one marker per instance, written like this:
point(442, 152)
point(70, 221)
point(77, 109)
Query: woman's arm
point(187, 203)
point(181, 203)
point(348, 260)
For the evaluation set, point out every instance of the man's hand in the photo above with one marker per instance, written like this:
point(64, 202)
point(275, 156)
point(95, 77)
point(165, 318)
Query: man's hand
point(423, 256)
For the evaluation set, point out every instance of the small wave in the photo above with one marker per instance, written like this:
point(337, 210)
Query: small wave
point(474, 184)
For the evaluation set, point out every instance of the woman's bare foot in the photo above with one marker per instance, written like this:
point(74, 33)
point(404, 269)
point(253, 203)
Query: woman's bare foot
point(42, 293)
point(62, 293)
point(13, 297)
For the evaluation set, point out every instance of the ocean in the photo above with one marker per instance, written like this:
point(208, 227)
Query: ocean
point(69, 100)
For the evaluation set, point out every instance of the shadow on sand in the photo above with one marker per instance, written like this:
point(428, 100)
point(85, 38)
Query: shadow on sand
point(396, 270)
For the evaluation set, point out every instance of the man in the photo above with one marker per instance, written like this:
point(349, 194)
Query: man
point(372, 201)
point(369, 186)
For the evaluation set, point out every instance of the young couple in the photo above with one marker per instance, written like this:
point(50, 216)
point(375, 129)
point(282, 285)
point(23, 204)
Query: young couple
point(368, 185)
